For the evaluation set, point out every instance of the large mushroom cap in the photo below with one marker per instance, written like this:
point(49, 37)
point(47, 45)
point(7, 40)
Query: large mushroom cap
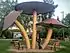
point(40, 7)
point(52, 22)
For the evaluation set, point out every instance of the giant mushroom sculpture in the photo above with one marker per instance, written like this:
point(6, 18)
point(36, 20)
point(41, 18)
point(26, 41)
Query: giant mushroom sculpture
point(30, 8)
point(50, 23)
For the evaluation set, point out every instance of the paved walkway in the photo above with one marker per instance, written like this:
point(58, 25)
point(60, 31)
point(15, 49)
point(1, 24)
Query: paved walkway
point(31, 50)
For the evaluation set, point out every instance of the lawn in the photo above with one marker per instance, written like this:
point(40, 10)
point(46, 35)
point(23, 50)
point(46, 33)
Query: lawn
point(65, 50)
point(4, 45)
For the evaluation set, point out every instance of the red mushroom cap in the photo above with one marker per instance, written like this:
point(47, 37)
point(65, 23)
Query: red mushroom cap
point(53, 22)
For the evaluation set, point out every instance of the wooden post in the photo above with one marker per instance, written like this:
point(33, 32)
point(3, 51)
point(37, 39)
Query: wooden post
point(47, 38)
point(34, 30)
point(24, 34)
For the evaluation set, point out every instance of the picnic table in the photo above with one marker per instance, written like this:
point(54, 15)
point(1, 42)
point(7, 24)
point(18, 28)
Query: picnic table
point(53, 44)
point(17, 44)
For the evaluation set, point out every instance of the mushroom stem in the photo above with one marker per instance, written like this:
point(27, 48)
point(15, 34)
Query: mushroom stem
point(48, 37)
point(24, 34)
point(34, 30)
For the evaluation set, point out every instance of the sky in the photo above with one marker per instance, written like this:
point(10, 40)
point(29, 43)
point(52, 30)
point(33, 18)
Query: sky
point(63, 6)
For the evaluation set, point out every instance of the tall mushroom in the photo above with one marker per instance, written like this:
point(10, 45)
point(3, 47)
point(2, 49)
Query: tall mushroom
point(31, 8)
point(50, 23)
point(10, 19)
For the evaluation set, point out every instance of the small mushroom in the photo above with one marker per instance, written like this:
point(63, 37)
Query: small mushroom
point(50, 23)
point(10, 19)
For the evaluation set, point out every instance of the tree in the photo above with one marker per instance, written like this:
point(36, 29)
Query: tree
point(25, 20)
point(49, 1)
point(66, 20)
point(7, 34)
point(5, 7)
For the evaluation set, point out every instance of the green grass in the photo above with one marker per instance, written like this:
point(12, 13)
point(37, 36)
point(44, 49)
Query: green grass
point(65, 50)
point(4, 45)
